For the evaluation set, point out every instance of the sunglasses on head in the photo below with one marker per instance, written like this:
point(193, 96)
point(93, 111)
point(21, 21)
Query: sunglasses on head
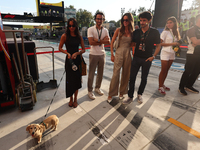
point(125, 20)
point(71, 26)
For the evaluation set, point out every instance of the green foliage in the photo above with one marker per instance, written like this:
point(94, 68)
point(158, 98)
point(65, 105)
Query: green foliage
point(118, 23)
point(195, 4)
point(141, 9)
point(84, 18)
point(133, 12)
point(71, 6)
point(112, 21)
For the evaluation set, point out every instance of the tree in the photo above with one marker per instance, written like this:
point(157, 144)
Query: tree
point(112, 21)
point(118, 23)
point(141, 9)
point(84, 18)
point(133, 12)
point(71, 6)
point(195, 4)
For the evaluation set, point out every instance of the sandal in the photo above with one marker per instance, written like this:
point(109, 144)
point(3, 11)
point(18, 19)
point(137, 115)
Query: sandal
point(166, 88)
point(161, 90)
point(70, 104)
point(75, 105)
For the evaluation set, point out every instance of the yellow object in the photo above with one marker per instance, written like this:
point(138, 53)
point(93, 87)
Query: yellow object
point(194, 13)
point(52, 4)
point(186, 26)
point(184, 127)
point(176, 49)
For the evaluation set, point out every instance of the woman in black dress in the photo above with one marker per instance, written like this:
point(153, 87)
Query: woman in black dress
point(72, 39)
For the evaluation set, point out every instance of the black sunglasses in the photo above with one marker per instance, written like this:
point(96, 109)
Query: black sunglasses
point(71, 26)
point(125, 20)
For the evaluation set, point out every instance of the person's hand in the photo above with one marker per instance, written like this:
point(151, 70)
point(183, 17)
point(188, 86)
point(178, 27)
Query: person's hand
point(68, 55)
point(194, 45)
point(150, 59)
point(74, 55)
point(112, 58)
point(106, 38)
point(178, 44)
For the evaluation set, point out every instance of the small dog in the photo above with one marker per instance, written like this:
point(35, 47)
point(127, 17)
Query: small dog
point(36, 130)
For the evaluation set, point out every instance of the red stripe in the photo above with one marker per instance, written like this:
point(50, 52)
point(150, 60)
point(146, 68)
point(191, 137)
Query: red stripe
point(7, 104)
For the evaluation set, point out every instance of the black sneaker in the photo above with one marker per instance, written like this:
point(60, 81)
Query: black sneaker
point(182, 91)
point(191, 89)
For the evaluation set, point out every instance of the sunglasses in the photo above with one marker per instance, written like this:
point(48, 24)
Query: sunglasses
point(100, 19)
point(71, 26)
point(125, 20)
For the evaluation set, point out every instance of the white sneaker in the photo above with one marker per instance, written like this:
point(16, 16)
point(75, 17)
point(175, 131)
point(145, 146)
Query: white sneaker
point(127, 101)
point(99, 91)
point(91, 95)
point(139, 99)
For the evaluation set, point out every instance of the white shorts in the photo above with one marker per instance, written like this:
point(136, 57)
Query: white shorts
point(167, 55)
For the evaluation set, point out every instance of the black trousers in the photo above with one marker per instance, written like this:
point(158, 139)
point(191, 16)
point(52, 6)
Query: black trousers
point(192, 70)
point(135, 66)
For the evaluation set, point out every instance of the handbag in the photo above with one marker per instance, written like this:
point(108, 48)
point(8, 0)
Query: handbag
point(177, 50)
point(83, 66)
point(116, 43)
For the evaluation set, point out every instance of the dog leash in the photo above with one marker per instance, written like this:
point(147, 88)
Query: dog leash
point(54, 94)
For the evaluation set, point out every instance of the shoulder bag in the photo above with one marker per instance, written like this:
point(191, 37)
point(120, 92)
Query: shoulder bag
point(83, 66)
point(116, 43)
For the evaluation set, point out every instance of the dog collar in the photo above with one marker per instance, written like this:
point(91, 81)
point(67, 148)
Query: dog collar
point(43, 124)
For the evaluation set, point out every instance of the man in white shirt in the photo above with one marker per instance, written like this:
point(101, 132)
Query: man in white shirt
point(97, 36)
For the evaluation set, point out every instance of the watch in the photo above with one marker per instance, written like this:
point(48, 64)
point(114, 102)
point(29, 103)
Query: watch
point(154, 57)
point(98, 40)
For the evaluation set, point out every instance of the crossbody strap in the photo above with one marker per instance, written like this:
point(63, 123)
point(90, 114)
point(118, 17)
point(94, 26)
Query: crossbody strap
point(118, 36)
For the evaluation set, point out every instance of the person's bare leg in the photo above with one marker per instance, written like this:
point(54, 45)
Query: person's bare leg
point(71, 101)
point(75, 99)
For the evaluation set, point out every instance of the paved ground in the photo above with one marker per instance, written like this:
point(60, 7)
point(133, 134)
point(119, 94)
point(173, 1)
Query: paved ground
point(96, 124)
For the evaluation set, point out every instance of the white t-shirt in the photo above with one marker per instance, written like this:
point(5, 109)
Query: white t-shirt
point(167, 37)
point(92, 32)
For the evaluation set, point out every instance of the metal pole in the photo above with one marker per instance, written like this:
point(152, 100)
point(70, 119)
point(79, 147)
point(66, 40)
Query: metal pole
point(19, 60)
point(53, 63)
point(178, 13)
point(23, 54)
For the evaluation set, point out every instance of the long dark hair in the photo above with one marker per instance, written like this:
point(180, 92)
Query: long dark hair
point(130, 26)
point(76, 32)
point(175, 27)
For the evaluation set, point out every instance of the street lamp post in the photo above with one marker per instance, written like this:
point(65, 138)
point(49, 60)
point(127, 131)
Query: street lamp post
point(122, 11)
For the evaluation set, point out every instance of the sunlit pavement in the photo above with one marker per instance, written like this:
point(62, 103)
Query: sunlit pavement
point(160, 122)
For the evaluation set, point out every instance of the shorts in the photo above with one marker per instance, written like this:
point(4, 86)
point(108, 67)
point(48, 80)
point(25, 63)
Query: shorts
point(164, 55)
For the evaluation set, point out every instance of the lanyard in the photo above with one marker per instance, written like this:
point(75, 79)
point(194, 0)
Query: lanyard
point(143, 36)
point(172, 36)
point(100, 33)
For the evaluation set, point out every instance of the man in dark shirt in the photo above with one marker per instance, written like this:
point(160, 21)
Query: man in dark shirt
point(145, 38)
point(192, 68)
